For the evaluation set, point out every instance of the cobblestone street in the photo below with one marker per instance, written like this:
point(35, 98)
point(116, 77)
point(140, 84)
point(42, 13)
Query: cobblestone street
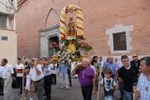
point(74, 92)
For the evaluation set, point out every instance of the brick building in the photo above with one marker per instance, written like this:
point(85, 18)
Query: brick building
point(111, 27)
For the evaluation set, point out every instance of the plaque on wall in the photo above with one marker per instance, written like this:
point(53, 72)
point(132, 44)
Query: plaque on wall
point(4, 38)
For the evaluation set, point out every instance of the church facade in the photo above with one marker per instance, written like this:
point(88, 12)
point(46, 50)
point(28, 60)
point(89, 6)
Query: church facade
point(110, 27)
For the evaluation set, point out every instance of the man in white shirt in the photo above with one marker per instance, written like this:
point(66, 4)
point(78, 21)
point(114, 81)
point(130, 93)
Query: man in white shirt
point(37, 76)
point(54, 71)
point(101, 61)
point(19, 70)
point(48, 71)
point(7, 76)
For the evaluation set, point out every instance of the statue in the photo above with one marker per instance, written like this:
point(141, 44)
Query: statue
point(71, 34)
point(71, 29)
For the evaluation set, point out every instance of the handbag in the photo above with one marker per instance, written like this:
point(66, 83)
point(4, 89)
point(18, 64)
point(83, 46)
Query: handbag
point(15, 83)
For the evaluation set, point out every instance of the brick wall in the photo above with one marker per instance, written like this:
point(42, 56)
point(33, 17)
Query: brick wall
point(99, 15)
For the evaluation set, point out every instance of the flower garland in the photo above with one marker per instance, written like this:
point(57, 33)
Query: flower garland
point(85, 46)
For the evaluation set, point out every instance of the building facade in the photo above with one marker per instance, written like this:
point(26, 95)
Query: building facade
point(111, 27)
point(8, 36)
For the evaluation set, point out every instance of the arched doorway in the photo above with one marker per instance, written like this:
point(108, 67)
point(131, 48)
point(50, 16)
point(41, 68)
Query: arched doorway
point(48, 36)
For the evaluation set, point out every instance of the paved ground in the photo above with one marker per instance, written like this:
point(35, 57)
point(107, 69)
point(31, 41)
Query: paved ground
point(74, 93)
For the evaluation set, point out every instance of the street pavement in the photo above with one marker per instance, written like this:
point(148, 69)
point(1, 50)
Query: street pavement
point(74, 92)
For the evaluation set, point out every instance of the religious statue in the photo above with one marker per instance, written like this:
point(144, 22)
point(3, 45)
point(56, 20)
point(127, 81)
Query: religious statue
point(71, 34)
point(71, 29)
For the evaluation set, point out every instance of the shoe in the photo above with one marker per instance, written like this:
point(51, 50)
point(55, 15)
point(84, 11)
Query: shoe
point(67, 88)
point(31, 99)
point(47, 98)
point(121, 98)
point(24, 98)
point(1, 94)
point(44, 94)
point(114, 94)
point(70, 85)
point(62, 87)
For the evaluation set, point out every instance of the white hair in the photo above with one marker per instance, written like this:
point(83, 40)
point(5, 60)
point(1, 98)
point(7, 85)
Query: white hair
point(86, 60)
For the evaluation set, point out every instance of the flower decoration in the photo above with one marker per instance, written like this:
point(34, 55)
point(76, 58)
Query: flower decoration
point(85, 46)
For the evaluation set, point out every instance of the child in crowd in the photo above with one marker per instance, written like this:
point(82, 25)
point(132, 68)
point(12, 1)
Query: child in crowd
point(28, 87)
point(108, 84)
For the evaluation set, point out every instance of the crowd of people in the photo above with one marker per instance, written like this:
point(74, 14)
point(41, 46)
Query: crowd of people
point(37, 75)
point(132, 77)
point(34, 75)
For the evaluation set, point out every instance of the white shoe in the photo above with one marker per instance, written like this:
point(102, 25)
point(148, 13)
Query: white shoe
point(67, 88)
point(62, 87)
point(24, 98)
point(31, 99)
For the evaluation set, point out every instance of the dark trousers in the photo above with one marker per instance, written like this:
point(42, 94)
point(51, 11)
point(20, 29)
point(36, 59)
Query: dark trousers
point(38, 86)
point(69, 77)
point(53, 79)
point(47, 86)
point(1, 85)
point(19, 79)
point(87, 92)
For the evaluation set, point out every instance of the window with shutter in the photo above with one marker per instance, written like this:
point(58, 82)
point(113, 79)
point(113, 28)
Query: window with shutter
point(119, 41)
point(3, 21)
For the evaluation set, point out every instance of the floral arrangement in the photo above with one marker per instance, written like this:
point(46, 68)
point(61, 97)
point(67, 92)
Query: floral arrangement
point(85, 46)
point(81, 46)
point(71, 47)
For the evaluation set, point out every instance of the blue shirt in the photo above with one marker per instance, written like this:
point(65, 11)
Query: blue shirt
point(1, 70)
point(111, 66)
point(63, 68)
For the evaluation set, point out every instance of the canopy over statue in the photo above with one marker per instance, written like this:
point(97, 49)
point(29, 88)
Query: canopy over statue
point(71, 33)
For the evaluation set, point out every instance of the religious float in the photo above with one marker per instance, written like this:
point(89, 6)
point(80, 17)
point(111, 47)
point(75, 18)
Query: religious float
point(72, 42)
